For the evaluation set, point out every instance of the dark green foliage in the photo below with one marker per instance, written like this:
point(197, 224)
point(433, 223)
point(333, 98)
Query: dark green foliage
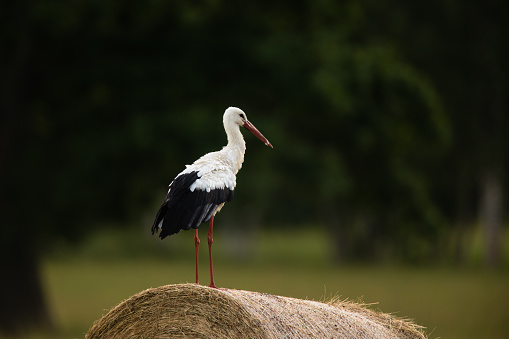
point(106, 102)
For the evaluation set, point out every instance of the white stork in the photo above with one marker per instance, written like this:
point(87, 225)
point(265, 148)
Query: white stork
point(200, 191)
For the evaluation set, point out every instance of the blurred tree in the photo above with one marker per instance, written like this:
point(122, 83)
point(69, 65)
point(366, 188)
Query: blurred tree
point(461, 46)
point(365, 131)
point(20, 287)
point(93, 97)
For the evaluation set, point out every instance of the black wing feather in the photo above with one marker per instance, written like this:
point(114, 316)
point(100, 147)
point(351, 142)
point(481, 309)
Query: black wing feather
point(183, 209)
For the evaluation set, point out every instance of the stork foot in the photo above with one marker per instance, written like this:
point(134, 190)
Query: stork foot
point(218, 288)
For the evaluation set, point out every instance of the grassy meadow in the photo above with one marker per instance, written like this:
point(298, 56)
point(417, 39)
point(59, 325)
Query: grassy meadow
point(83, 283)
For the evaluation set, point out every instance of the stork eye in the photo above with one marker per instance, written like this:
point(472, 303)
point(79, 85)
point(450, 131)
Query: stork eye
point(242, 116)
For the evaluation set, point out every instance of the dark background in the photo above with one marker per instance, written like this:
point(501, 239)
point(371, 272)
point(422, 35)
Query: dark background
point(388, 120)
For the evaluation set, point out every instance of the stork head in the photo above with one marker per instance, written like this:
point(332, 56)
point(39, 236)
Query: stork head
point(234, 115)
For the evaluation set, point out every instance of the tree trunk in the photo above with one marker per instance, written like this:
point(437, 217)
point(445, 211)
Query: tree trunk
point(490, 104)
point(463, 217)
point(491, 214)
point(24, 307)
point(338, 237)
point(353, 238)
point(22, 296)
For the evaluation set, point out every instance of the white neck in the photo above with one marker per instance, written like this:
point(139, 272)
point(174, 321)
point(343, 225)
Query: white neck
point(236, 146)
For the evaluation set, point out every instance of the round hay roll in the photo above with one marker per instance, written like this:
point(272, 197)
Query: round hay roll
point(193, 311)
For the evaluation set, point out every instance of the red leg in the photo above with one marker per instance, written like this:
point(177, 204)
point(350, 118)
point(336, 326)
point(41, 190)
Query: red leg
point(196, 244)
point(210, 240)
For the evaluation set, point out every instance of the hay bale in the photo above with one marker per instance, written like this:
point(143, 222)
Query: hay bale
point(193, 311)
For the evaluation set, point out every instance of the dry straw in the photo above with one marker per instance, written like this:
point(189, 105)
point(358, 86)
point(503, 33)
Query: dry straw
point(193, 311)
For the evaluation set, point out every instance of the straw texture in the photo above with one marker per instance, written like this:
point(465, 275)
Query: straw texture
point(193, 311)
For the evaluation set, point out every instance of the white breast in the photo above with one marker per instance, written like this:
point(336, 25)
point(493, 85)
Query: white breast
point(216, 170)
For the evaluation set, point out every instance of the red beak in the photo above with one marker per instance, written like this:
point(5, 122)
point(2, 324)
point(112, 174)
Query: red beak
point(250, 127)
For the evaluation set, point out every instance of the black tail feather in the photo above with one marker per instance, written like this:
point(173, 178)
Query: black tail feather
point(183, 209)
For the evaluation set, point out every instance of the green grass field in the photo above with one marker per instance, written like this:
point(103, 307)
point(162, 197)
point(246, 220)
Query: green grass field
point(449, 303)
